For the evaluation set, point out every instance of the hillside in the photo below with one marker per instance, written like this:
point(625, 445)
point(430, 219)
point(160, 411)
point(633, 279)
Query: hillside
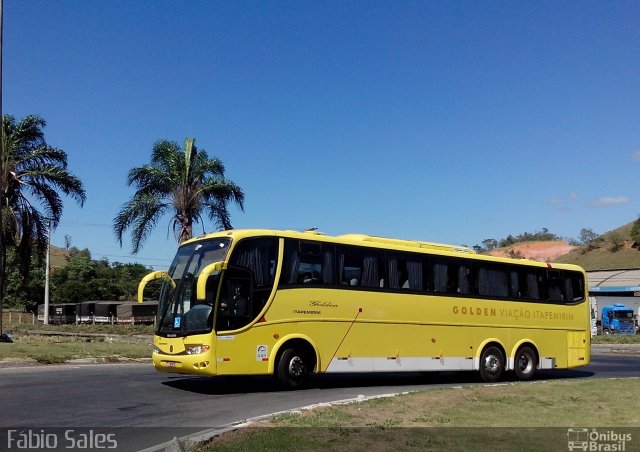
point(613, 250)
point(59, 257)
point(545, 251)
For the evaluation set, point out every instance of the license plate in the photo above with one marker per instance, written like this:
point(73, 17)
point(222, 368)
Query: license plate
point(171, 364)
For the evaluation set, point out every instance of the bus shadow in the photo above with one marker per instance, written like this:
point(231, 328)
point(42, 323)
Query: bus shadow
point(408, 380)
point(222, 385)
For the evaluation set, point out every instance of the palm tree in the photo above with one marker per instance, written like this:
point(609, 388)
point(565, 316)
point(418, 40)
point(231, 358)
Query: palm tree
point(185, 182)
point(32, 174)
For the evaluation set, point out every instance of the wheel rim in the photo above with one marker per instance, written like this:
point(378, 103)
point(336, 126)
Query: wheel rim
point(525, 363)
point(492, 364)
point(296, 367)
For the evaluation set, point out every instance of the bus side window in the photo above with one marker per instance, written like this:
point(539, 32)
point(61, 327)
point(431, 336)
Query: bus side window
point(574, 286)
point(308, 263)
point(440, 277)
point(493, 282)
point(360, 267)
point(465, 279)
point(405, 272)
point(515, 284)
point(554, 288)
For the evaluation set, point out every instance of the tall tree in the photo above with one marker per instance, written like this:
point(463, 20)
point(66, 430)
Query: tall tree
point(184, 182)
point(32, 174)
point(587, 236)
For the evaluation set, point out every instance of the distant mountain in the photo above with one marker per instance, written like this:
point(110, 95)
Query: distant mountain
point(613, 250)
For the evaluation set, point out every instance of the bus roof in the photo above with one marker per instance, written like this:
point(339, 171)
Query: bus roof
point(411, 243)
point(345, 238)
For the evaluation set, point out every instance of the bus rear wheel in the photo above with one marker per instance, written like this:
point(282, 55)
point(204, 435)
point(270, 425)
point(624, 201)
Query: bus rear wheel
point(526, 363)
point(491, 364)
point(292, 368)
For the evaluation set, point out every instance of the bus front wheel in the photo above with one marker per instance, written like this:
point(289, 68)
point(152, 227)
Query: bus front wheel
point(292, 368)
point(491, 364)
point(526, 363)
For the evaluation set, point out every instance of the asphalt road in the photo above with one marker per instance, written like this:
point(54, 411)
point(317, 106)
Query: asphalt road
point(135, 395)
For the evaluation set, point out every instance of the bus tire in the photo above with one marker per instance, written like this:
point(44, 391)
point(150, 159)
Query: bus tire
point(491, 364)
point(292, 368)
point(526, 363)
point(606, 331)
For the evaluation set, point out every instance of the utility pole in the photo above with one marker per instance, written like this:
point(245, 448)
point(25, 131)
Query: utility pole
point(46, 274)
point(3, 245)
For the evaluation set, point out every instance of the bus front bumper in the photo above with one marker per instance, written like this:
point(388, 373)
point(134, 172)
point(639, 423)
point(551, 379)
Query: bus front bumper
point(198, 364)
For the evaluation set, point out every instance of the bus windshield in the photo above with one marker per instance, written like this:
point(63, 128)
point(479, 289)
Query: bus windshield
point(179, 313)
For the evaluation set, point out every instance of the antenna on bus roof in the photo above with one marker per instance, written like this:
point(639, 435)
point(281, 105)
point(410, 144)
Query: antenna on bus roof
point(310, 229)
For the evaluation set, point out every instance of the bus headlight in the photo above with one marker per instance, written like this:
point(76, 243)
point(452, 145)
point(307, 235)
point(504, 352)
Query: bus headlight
point(197, 349)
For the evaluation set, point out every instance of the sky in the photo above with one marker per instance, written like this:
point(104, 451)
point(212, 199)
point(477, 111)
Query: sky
point(442, 121)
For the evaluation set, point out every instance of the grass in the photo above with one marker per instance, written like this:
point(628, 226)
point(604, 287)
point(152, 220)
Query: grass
point(48, 350)
point(111, 343)
point(513, 416)
point(617, 339)
point(12, 323)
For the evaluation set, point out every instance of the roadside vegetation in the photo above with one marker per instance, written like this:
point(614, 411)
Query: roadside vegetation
point(53, 349)
point(458, 419)
point(617, 339)
point(18, 322)
point(49, 344)
point(75, 277)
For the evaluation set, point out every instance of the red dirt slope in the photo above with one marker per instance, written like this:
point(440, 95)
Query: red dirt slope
point(539, 251)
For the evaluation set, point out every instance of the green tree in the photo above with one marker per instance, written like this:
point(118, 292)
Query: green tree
point(32, 174)
point(84, 279)
point(184, 182)
point(635, 231)
point(490, 244)
point(587, 236)
point(23, 292)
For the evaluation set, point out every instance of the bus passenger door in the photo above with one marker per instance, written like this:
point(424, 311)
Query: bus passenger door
point(233, 313)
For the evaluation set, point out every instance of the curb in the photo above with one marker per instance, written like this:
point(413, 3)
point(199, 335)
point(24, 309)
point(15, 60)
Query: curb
point(183, 443)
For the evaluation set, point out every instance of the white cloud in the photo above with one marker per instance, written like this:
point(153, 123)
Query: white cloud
point(555, 201)
point(608, 201)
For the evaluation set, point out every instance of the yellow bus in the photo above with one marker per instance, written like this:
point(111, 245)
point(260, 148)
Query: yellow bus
point(287, 303)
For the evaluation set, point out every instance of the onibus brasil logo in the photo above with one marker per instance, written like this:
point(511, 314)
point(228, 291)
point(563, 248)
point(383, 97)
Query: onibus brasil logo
point(597, 440)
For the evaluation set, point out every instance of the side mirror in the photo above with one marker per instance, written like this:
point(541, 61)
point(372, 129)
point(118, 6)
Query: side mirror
point(151, 277)
point(204, 276)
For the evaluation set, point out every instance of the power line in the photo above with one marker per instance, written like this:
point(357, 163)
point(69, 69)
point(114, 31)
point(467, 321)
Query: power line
point(85, 224)
point(156, 259)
